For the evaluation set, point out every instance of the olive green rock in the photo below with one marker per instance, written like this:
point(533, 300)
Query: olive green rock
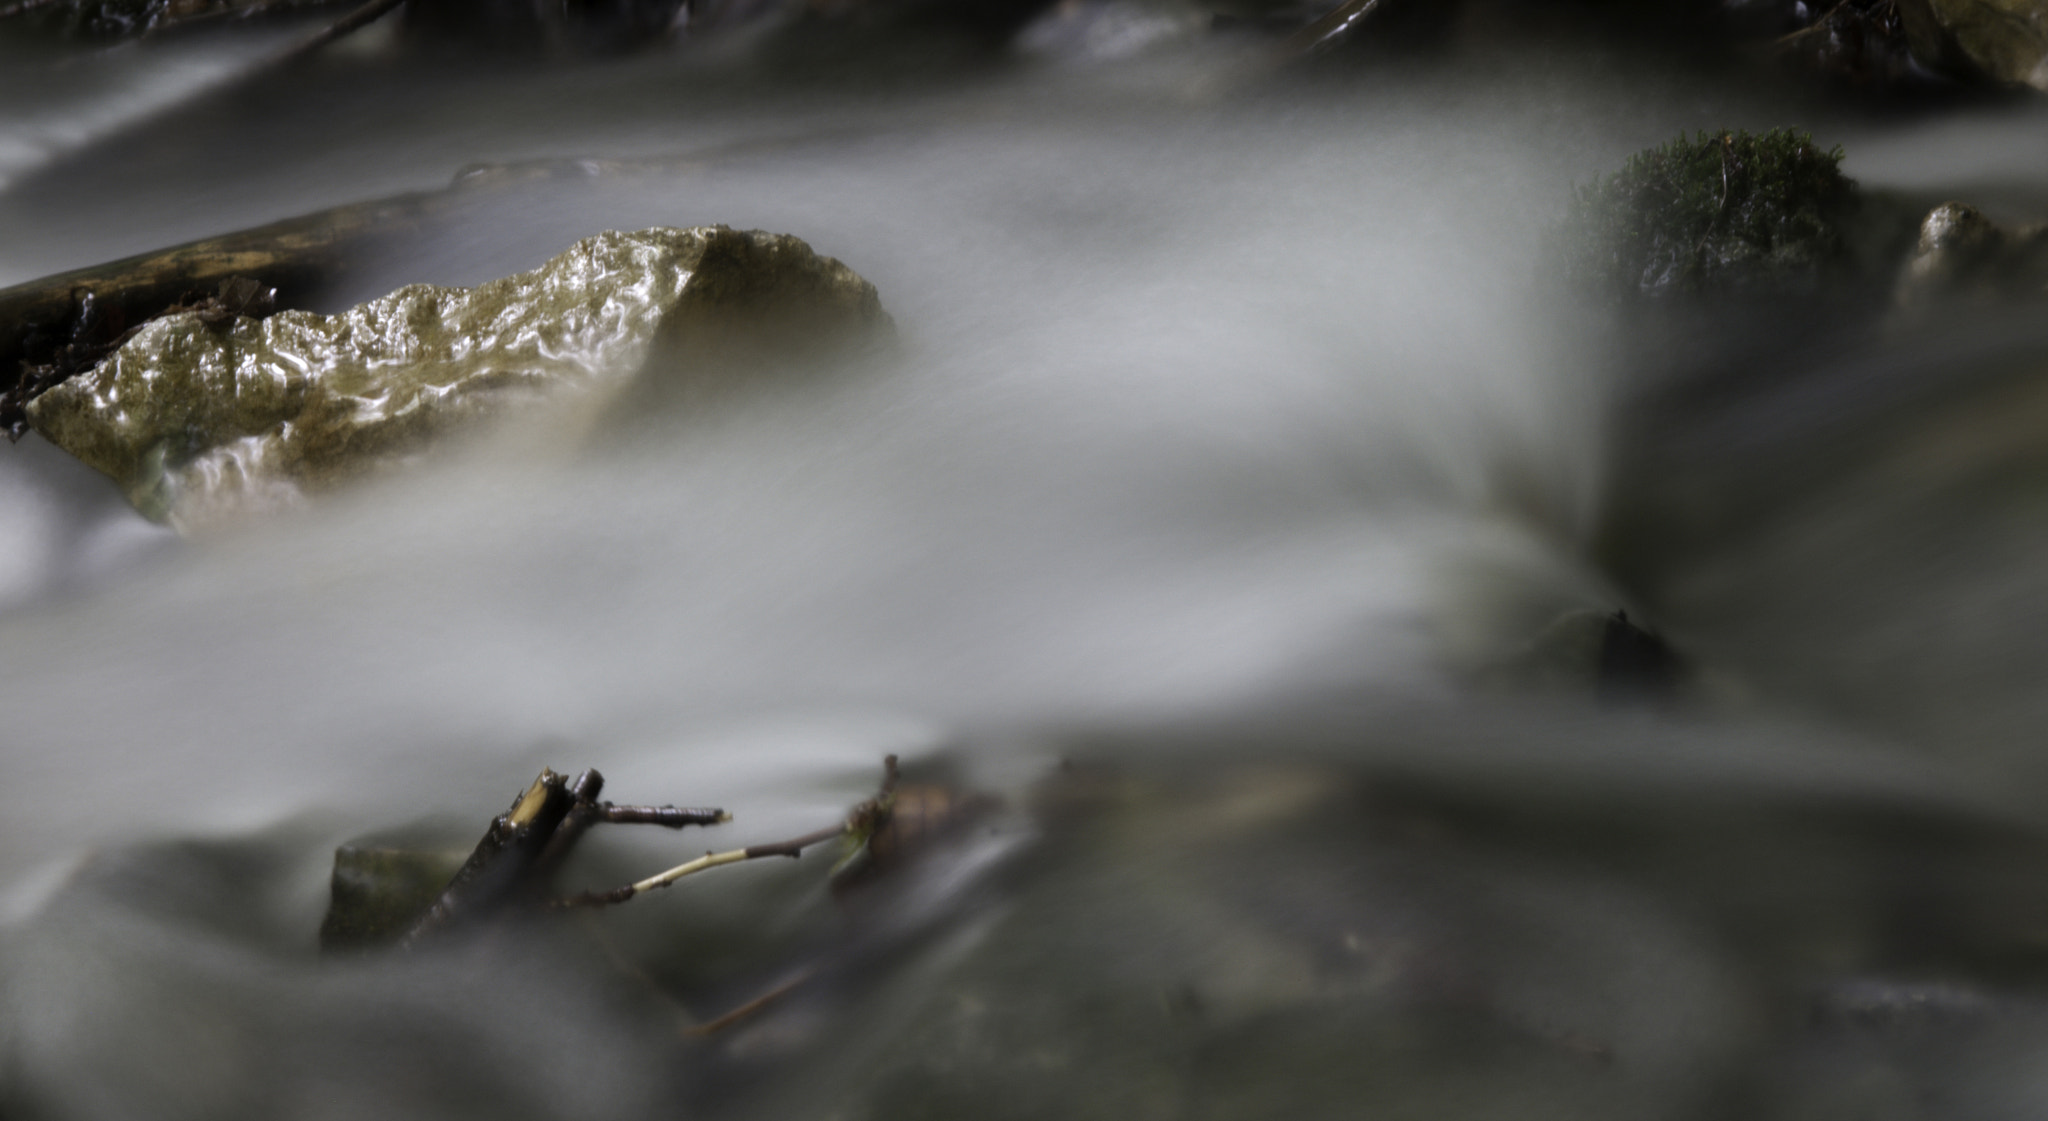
point(379, 892)
point(2003, 40)
point(198, 422)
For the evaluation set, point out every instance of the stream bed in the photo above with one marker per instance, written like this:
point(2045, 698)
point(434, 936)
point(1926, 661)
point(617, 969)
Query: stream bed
point(1237, 432)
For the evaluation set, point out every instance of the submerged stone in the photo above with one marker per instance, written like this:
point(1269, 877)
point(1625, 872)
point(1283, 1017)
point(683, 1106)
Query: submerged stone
point(379, 892)
point(1602, 654)
point(1962, 254)
point(198, 420)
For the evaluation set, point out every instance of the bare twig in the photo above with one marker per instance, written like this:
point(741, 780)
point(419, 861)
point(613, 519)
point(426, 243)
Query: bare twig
point(588, 811)
point(859, 824)
point(790, 848)
point(345, 26)
point(750, 1008)
point(668, 817)
point(526, 843)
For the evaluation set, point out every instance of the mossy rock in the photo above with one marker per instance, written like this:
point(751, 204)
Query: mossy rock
point(202, 421)
point(379, 891)
point(1716, 214)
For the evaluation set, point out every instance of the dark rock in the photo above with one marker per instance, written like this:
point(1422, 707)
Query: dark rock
point(1860, 43)
point(1602, 654)
point(1635, 664)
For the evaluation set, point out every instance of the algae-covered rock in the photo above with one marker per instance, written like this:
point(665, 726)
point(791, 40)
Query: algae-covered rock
point(197, 420)
point(378, 892)
point(2005, 41)
point(1719, 213)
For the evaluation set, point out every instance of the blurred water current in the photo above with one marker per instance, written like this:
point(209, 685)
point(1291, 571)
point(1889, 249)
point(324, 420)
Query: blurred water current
point(1231, 430)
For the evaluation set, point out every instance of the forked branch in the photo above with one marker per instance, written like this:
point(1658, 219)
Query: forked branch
point(864, 819)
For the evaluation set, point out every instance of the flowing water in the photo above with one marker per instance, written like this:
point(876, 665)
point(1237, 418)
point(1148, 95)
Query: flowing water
point(1235, 428)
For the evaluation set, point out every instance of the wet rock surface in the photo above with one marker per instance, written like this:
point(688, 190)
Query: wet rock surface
point(2005, 41)
point(1963, 255)
point(1859, 43)
point(199, 419)
point(380, 889)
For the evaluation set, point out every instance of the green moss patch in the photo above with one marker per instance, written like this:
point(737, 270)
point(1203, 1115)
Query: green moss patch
point(1717, 213)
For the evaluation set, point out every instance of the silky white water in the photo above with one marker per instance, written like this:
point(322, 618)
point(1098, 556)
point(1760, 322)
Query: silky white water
point(1214, 403)
point(1193, 408)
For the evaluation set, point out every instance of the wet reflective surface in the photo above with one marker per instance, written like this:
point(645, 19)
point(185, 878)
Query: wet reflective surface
point(203, 421)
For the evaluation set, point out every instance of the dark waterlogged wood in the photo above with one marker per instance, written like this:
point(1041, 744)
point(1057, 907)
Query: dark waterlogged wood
point(509, 869)
point(524, 845)
point(501, 868)
point(347, 25)
point(61, 325)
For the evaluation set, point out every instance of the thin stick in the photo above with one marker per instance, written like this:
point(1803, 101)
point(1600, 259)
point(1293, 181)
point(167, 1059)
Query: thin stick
point(588, 812)
point(668, 817)
point(790, 848)
point(751, 1007)
point(347, 25)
